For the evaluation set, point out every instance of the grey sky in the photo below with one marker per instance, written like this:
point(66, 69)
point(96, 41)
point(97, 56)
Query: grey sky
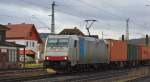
point(111, 15)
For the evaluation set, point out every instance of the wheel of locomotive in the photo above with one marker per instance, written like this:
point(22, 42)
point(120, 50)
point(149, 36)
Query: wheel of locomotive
point(69, 69)
point(122, 64)
point(133, 63)
point(95, 67)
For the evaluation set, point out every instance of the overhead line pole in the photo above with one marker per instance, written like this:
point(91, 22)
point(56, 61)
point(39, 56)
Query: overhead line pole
point(127, 29)
point(53, 18)
point(102, 35)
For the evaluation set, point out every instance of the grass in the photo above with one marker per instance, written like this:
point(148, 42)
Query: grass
point(32, 65)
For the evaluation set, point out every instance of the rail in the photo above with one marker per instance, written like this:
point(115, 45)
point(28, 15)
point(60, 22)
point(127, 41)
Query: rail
point(101, 76)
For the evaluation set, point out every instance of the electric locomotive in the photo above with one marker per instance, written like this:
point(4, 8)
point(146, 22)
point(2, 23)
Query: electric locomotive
point(67, 51)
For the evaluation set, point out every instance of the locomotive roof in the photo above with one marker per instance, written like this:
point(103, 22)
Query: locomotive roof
point(61, 36)
point(74, 36)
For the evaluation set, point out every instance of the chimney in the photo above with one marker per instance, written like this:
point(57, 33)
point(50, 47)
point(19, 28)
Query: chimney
point(9, 23)
point(75, 27)
point(122, 37)
point(147, 40)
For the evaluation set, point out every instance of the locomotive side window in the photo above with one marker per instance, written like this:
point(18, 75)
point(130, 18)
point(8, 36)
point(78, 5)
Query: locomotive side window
point(63, 42)
point(75, 43)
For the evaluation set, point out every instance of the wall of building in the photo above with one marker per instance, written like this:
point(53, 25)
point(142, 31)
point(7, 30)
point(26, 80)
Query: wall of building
point(8, 57)
point(30, 45)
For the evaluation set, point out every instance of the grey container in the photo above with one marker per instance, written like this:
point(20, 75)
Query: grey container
point(92, 50)
point(132, 52)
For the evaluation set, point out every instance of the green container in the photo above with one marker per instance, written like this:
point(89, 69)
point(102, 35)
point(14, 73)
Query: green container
point(132, 52)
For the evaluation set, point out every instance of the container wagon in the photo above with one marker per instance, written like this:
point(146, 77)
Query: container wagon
point(143, 54)
point(132, 55)
point(117, 51)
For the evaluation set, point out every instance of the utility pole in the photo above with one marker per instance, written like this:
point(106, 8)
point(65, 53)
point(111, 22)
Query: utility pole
point(53, 18)
point(88, 26)
point(147, 40)
point(102, 35)
point(127, 29)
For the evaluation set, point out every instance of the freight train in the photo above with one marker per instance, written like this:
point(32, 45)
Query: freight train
point(79, 52)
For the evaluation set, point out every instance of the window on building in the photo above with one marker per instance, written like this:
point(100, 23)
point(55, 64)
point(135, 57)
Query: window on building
point(9, 54)
point(32, 44)
point(12, 53)
point(15, 57)
point(1, 36)
point(27, 43)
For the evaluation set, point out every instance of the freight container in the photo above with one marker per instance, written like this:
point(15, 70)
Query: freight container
point(143, 52)
point(117, 50)
point(132, 52)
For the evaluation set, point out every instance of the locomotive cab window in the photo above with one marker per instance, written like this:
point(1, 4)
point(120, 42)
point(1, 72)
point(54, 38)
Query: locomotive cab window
point(57, 42)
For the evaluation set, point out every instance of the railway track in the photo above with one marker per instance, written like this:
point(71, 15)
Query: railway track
point(105, 76)
point(81, 77)
point(52, 77)
point(96, 76)
point(10, 75)
point(18, 70)
point(113, 76)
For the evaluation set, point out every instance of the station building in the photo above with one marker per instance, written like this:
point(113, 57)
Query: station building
point(8, 51)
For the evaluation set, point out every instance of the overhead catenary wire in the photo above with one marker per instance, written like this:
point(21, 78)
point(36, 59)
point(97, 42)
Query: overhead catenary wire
point(72, 14)
point(121, 17)
point(15, 17)
point(41, 22)
point(105, 11)
point(131, 20)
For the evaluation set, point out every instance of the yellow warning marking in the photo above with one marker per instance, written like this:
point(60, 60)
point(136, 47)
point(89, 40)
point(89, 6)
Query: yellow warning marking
point(61, 79)
point(50, 71)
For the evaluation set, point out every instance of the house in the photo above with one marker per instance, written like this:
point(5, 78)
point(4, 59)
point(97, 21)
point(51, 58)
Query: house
point(25, 34)
point(8, 51)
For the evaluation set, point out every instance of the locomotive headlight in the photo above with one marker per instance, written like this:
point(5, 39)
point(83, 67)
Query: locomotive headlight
point(65, 58)
point(47, 58)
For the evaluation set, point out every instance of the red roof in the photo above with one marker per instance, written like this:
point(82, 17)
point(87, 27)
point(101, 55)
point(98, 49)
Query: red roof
point(29, 52)
point(21, 31)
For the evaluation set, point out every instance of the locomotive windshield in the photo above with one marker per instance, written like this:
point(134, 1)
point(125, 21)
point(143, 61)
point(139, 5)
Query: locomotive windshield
point(54, 42)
